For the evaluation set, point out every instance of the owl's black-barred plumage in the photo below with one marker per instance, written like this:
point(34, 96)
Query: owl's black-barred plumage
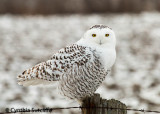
point(80, 68)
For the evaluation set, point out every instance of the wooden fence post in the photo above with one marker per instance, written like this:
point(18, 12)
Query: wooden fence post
point(95, 103)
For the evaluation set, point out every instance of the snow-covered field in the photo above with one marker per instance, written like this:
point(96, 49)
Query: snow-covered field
point(28, 40)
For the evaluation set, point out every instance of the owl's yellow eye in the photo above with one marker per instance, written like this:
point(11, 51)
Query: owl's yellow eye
point(106, 35)
point(94, 35)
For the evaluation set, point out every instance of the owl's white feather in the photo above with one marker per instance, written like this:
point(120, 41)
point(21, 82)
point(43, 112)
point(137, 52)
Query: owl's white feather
point(79, 68)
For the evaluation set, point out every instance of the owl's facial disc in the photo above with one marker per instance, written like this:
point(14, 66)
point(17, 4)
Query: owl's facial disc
point(100, 36)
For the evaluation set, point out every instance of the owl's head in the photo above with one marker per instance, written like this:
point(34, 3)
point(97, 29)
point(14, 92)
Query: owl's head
point(100, 35)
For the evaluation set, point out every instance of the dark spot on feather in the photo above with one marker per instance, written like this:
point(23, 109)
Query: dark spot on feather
point(24, 72)
point(62, 67)
point(57, 76)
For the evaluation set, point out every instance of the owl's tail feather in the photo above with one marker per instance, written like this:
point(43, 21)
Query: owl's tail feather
point(39, 74)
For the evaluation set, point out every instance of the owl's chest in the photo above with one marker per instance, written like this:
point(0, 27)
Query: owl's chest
point(107, 58)
point(81, 82)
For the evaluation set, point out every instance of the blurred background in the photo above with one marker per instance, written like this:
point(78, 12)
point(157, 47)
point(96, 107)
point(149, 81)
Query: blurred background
point(32, 30)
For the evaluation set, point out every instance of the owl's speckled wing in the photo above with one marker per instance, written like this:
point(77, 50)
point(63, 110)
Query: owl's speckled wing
point(58, 65)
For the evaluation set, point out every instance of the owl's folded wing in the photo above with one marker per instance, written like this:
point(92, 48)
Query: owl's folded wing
point(53, 69)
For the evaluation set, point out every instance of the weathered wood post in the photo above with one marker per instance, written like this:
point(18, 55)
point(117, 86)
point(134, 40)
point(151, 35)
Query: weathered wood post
point(97, 105)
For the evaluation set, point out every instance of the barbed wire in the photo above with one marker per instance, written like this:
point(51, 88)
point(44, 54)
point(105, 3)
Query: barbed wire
point(129, 109)
point(63, 108)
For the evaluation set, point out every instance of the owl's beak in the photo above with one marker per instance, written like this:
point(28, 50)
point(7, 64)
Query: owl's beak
point(100, 42)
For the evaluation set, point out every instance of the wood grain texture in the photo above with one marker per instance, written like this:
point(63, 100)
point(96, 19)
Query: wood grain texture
point(97, 105)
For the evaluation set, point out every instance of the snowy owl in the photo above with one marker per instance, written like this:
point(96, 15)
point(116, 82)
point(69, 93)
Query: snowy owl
point(79, 68)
